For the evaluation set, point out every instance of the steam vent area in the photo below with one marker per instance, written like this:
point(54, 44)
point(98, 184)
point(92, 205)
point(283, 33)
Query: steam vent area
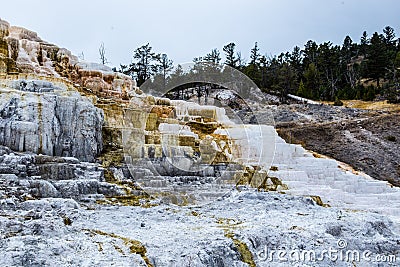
point(95, 171)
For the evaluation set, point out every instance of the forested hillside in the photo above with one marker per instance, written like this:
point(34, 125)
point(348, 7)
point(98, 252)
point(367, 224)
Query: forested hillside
point(366, 69)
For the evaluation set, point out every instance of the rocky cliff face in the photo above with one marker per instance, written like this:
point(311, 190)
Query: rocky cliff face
point(42, 111)
point(50, 128)
point(39, 117)
point(22, 51)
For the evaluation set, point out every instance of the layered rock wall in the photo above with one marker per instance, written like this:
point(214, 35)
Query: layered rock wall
point(41, 118)
point(22, 51)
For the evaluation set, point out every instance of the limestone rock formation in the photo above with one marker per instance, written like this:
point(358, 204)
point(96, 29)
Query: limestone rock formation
point(28, 176)
point(22, 51)
point(42, 118)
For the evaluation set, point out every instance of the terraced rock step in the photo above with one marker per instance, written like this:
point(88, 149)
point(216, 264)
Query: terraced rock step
point(307, 174)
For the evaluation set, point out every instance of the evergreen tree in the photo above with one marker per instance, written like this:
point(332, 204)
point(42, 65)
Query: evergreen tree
point(286, 80)
point(124, 69)
point(347, 51)
point(144, 65)
point(301, 91)
point(330, 69)
point(350, 70)
point(377, 58)
point(253, 68)
point(311, 83)
point(231, 59)
point(389, 36)
point(165, 65)
point(364, 44)
point(393, 91)
point(213, 57)
point(254, 54)
point(310, 53)
point(397, 61)
point(263, 71)
point(295, 60)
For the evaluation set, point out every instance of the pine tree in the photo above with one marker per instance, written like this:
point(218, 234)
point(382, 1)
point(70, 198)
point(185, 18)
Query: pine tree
point(377, 58)
point(364, 43)
point(389, 36)
point(253, 69)
point(310, 53)
point(254, 54)
point(296, 60)
point(144, 66)
point(213, 57)
point(231, 59)
point(286, 79)
point(164, 66)
point(301, 91)
point(312, 84)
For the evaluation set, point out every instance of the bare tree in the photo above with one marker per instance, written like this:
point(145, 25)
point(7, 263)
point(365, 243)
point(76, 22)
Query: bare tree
point(241, 61)
point(81, 56)
point(102, 52)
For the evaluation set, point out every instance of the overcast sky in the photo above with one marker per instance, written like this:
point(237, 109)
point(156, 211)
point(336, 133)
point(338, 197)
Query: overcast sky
point(185, 29)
